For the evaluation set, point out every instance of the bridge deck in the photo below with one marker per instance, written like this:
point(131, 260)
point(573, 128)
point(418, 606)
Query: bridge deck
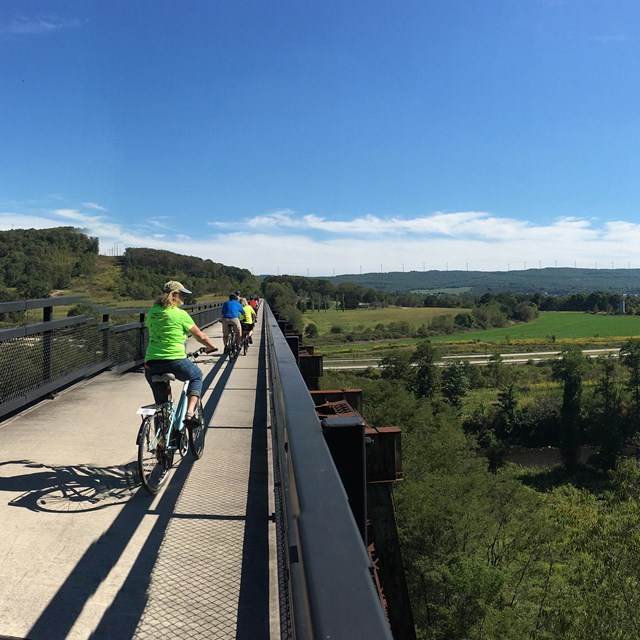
point(86, 553)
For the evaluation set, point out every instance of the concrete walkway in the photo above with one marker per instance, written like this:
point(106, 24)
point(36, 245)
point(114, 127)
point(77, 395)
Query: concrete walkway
point(85, 552)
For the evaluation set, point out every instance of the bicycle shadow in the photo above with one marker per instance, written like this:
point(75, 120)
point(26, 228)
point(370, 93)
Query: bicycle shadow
point(82, 487)
point(121, 618)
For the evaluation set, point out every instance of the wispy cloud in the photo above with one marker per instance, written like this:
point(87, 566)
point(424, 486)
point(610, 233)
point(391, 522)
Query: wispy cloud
point(72, 214)
point(284, 242)
point(466, 224)
point(25, 26)
point(93, 206)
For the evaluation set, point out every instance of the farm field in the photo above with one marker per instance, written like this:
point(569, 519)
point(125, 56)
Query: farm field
point(360, 319)
point(561, 324)
point(552, 330)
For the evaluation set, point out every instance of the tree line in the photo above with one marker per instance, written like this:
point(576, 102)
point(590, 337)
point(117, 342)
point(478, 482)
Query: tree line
point(317, 294)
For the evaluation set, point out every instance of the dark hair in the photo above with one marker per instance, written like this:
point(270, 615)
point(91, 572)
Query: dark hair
point(233, 296)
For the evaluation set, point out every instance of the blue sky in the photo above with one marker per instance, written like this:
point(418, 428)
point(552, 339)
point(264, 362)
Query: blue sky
point(324, 137)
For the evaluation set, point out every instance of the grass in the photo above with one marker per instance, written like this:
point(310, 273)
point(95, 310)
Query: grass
point(553, 330)
point(360, 319)
point(558, 325)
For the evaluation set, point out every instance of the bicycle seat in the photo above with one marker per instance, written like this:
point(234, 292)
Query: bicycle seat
point(165, 377)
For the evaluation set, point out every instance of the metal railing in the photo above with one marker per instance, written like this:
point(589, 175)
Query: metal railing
point(39, 358)
point(327, 574)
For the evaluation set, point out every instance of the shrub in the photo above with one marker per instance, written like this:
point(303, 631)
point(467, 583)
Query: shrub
point(311, 330)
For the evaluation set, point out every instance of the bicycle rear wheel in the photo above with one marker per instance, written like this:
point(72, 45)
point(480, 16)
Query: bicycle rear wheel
point(230, 345)
point(197, 433)
point(183, 443)
point(153, 458)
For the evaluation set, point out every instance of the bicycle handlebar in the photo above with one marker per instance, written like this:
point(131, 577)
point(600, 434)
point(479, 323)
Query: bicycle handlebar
point(197, 352)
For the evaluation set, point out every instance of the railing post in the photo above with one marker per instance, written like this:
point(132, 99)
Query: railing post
point(105, 336)
point(47, 346)
point(141, 341)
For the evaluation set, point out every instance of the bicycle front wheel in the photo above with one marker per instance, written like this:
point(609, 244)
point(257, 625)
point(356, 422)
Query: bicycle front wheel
point(197, 432)
point(152, 454)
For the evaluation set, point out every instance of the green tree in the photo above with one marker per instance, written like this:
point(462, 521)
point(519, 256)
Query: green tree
point(349, 295)
point(427, 375)
point(607, 414)
point(442, 325)
point(569, 369)
point(525, 311)
point(311, 330)
point(508, 414)
point(464, 320)
point(630, 357)
point(454, 384)
point(282, 300)
point(397, 366)
point(494, 449)
point(496, 370)
point(31, 289)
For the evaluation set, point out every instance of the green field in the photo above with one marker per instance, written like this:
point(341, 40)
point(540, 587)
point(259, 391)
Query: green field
point(361, 319)
point(559, 324)
point(553, 329)
point(562, 325)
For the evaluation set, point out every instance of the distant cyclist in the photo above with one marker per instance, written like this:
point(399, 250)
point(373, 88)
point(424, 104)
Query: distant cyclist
point(250, 317)
point(169, 326)
point(255, 303)
point(230, 315)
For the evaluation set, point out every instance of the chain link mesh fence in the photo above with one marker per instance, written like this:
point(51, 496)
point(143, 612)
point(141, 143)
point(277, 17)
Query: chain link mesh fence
point(37, 359)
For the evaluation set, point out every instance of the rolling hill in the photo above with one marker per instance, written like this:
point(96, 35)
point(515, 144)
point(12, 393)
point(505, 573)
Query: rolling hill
point(551, 281)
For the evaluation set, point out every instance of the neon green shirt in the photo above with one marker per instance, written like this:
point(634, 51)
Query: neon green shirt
point(249, 315)
point(168, 331)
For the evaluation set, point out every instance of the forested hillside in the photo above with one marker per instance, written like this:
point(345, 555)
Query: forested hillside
point(145, 270)
point(552, 281)
point(34, 262)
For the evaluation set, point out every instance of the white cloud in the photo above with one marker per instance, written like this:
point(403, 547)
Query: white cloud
point(94, 206)
point(284, 242)
point(24, 26)
point(72, 214)
point(12, 220)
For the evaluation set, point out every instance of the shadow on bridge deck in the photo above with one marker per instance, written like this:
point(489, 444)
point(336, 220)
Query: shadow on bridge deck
point(86, 553)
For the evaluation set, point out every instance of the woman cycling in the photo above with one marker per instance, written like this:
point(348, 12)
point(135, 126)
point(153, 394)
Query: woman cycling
point(250, 318)
point(169, 326)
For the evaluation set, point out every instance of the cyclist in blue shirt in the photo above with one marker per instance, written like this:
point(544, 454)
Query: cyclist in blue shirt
point(230, 315)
